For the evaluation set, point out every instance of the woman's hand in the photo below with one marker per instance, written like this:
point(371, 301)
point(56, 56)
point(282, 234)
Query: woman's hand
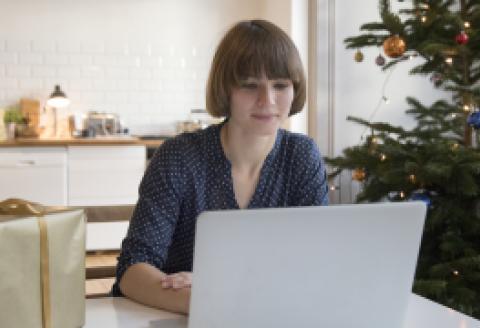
point(177, 280)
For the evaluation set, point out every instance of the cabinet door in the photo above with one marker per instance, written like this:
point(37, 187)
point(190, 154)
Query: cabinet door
point(37, 174)
point(104, 175)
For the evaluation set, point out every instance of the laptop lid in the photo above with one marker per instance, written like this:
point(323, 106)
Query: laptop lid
point(334, 266)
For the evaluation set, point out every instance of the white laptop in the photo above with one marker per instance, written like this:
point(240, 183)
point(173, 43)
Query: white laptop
point(349, 266)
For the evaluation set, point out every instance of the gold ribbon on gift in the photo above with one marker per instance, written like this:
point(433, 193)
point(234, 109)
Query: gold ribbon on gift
point(15, 207)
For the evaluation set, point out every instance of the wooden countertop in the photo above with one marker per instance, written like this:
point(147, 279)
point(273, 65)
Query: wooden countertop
point(99, 141)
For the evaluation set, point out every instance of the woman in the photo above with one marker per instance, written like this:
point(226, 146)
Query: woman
point(256, 81)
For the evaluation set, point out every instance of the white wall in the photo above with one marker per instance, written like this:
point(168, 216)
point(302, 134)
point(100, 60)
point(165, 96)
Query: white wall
point(147, 60)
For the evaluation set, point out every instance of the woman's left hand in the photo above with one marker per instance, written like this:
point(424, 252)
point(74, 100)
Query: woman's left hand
point(177, 280)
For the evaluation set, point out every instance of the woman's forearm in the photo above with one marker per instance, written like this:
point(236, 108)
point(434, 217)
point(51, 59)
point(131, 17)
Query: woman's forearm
point(142, 283)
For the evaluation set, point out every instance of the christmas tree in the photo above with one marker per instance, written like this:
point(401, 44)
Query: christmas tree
point(437, 161)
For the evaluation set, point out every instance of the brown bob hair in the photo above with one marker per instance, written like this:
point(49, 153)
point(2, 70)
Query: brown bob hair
point(248, 49)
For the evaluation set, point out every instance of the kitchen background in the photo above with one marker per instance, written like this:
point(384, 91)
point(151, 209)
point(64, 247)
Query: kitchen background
point(144, 60)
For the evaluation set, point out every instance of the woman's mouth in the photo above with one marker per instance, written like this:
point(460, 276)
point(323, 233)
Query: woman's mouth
point(263, 117)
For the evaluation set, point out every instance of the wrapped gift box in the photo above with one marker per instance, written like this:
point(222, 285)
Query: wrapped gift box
point(42, 266)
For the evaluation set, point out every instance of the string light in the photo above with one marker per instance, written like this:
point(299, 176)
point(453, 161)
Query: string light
point(466, 108)
point(412, 178)
point(456, 273)
point(424, 19)
point(449, 60)
point(466, 24)
point(333, 188)
point(455, 146)
point(402, 194)
point(383, 157)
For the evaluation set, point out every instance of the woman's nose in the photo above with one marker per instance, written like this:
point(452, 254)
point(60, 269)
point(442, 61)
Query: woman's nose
point(266, 95)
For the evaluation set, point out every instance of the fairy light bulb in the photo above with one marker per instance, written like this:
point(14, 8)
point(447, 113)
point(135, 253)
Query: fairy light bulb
point(466, 108)
point(383, 157)
point(402, 194)
point(449, 60)
point(456, 273)
point(424, 19)
point(466, 24)
point(412, 178)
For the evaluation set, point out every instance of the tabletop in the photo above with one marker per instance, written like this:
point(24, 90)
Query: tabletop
point(123, 313)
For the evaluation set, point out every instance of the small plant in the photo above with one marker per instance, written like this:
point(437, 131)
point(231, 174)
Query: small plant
point(13, 115)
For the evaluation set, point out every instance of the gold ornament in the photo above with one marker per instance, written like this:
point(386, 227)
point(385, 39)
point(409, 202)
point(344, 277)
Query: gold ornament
point(358, 56)
point(359, 175)
point(394, 46)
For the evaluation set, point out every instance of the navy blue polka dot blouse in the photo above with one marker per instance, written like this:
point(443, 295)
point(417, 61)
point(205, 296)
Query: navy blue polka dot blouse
point(190, 174)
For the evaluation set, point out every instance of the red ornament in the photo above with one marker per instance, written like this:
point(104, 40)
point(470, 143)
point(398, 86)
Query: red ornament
point(462, 38)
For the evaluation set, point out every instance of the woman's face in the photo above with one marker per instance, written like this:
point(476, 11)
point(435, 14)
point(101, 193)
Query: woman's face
point(259, 105)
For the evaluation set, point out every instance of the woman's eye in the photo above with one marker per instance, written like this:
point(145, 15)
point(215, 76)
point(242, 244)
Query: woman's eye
point(281, 85)
point(249, 85)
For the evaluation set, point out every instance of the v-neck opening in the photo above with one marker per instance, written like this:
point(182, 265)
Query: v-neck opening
point(227, 165)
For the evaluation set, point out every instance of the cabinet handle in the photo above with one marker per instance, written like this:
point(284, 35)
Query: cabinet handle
point(26, 162)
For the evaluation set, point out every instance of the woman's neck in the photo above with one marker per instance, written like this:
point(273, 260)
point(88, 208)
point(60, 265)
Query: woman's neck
point(244, 150)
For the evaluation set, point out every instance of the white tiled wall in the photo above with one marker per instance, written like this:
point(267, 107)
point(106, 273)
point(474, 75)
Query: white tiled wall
point(145, 60)
point(137, 80)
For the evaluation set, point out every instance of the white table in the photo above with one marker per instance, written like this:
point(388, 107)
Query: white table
point(123, 313)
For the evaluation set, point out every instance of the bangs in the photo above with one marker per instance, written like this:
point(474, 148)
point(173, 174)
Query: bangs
point(263, 53)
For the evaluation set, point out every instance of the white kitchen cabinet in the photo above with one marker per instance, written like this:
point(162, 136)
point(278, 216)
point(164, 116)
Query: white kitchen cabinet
point(37, 174)
point(104, 175)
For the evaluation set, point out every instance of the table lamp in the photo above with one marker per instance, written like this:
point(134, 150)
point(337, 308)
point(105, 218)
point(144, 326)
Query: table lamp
point(58, 99)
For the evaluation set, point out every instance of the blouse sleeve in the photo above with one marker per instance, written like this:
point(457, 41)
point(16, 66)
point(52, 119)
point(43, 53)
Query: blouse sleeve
point(310, 187)
point(156, 212)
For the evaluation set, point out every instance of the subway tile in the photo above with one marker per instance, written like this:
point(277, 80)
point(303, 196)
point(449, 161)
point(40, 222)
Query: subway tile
point(150, 85)
point(116, 72)
point(103, 60)
point(13, 96)
point(116, 97)
point(18, 45)
point(68, 46)
point(93, 47)
point(93, 71)
point(44, 46)
point(68, 72)
point(140, 73)
point(31, 83)
point(30, 59)
point(127, 85)
point(139, 49)
point(8, 83)
point(8, 58)
point(116, 48)
point(153, 61)
point(80, 59)
point(81, 84)
point(43, 71)
point(173, 85)
point(104, 85)
point(92, 97)
point(139, 97)
point(18, 71)
point(125, 61)
point(56, 59)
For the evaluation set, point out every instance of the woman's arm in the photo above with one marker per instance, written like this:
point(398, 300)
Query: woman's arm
point(142, 282)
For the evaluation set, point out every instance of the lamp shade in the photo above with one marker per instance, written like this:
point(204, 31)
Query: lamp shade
point(58, 98)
